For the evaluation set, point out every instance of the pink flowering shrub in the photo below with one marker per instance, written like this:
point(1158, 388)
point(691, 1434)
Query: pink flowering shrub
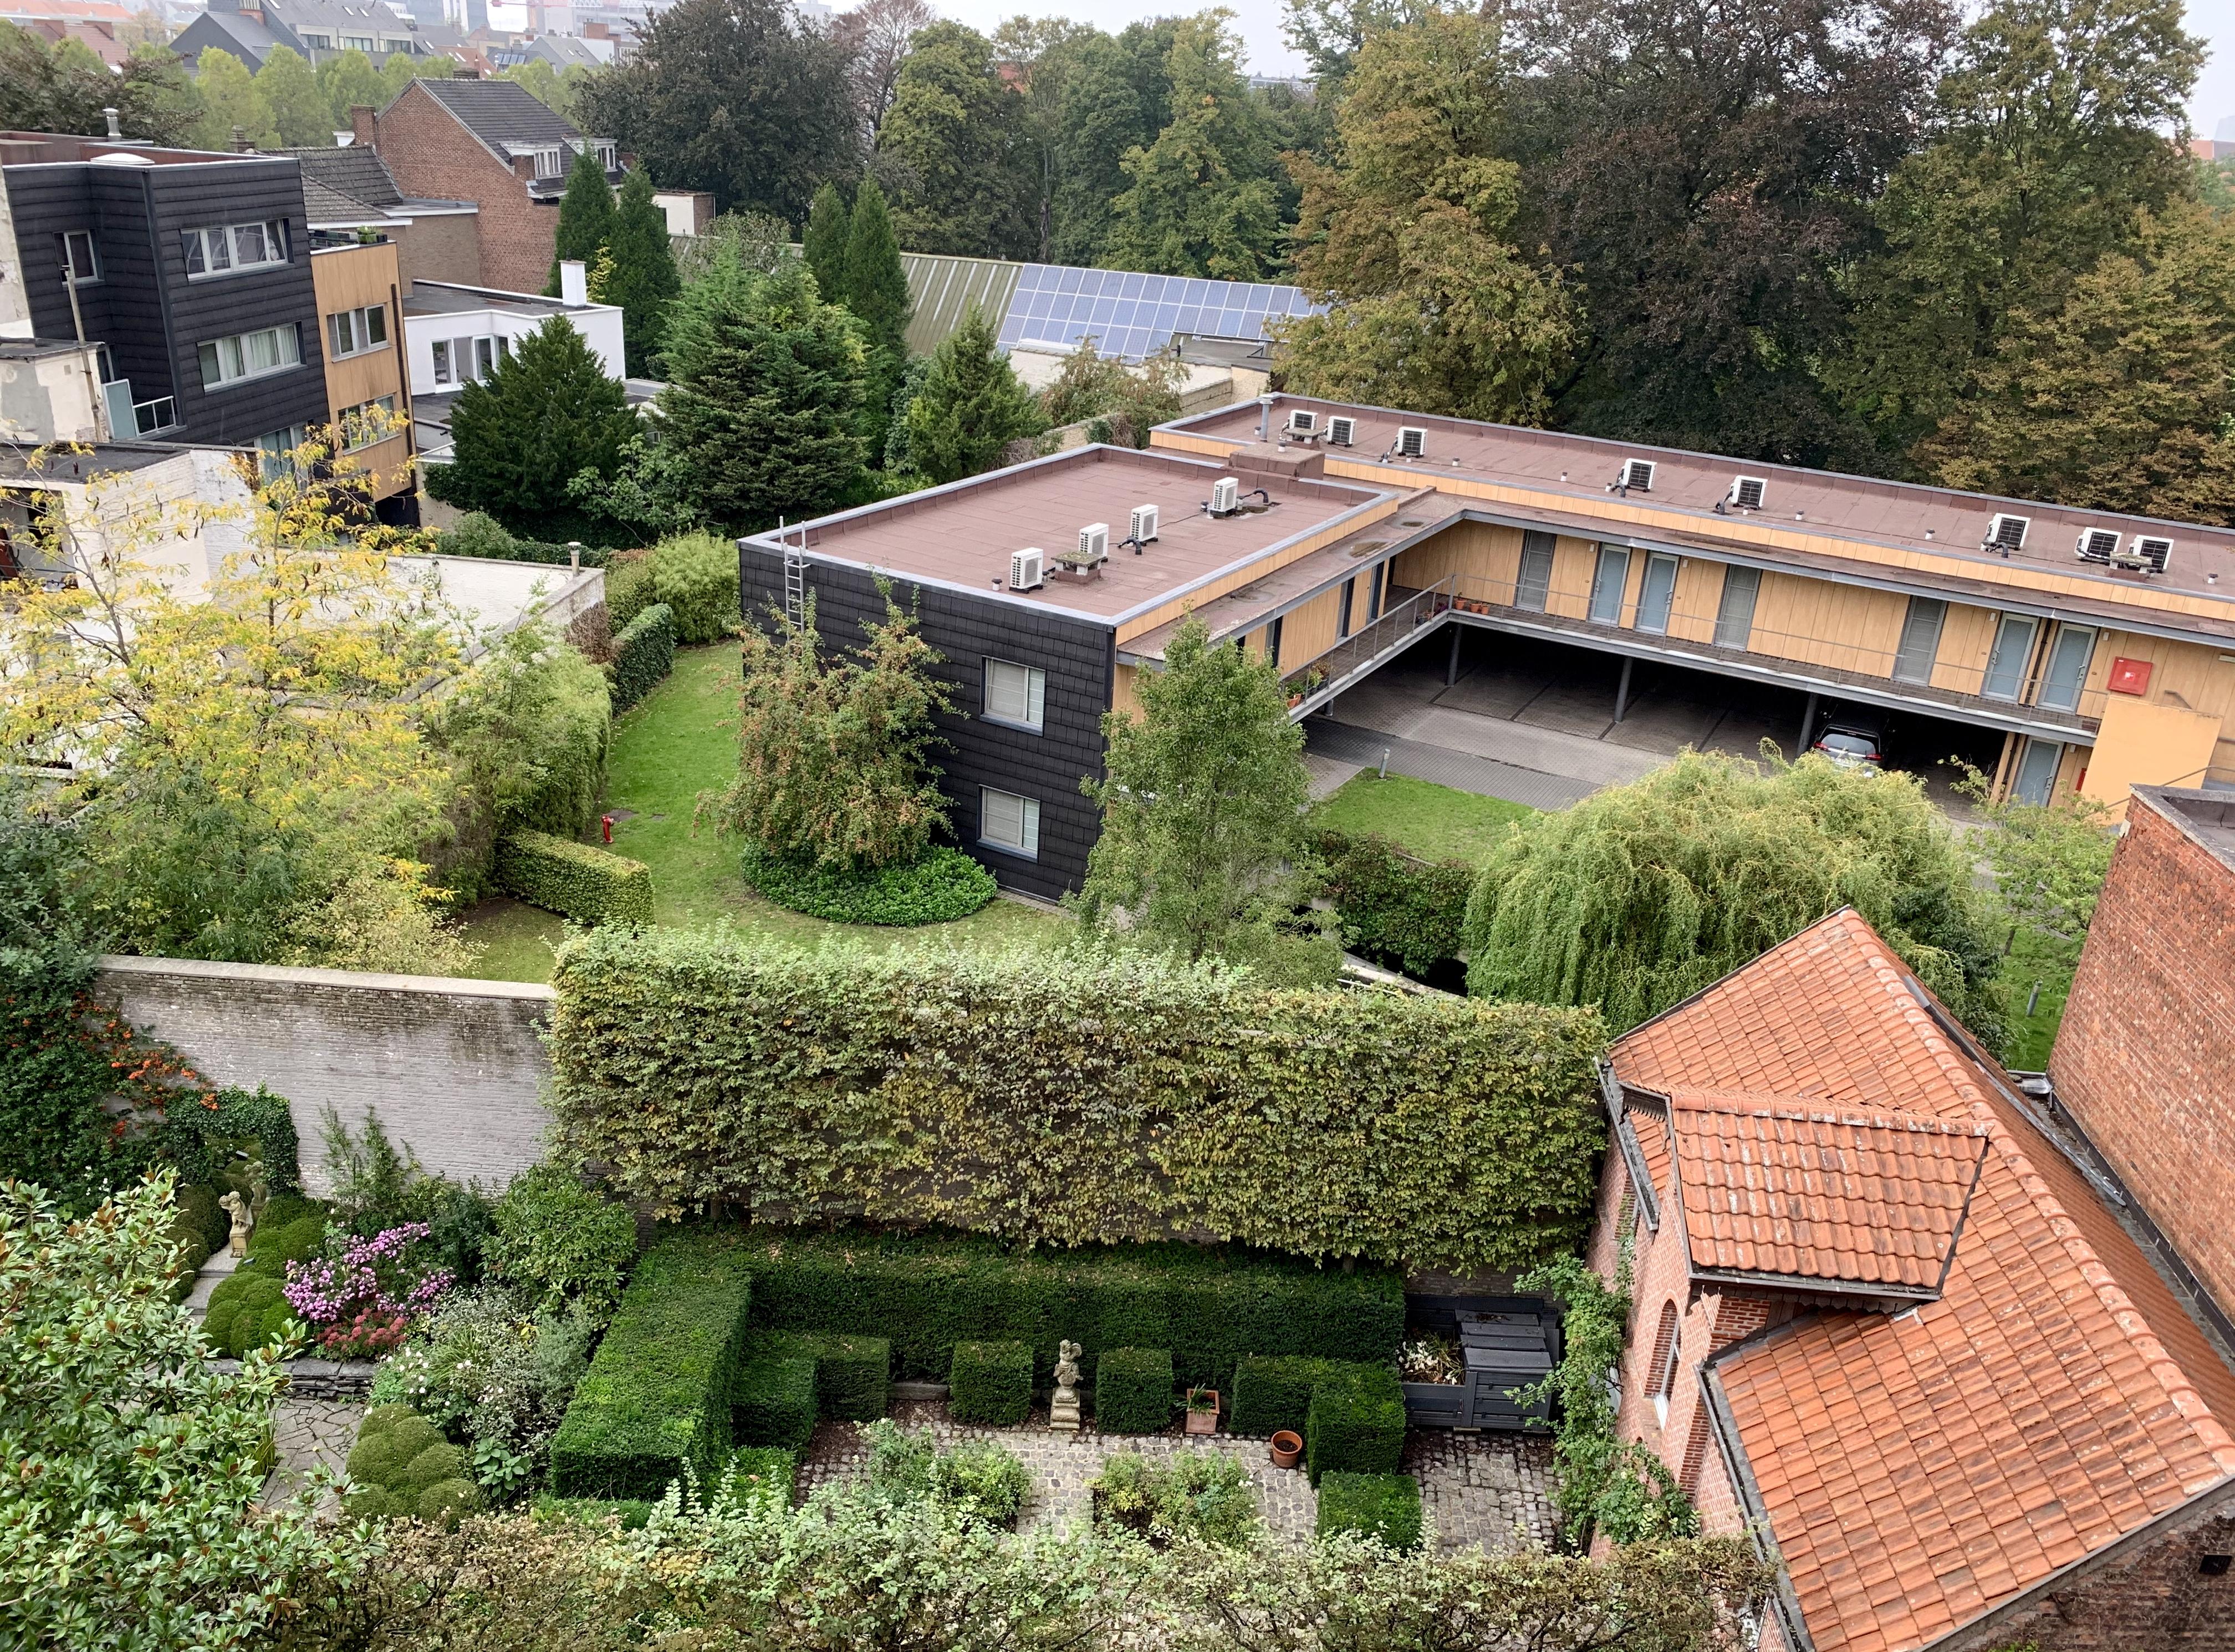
point(369, 1294)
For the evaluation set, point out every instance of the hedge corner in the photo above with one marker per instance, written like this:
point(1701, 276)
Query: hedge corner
point(1386, 1506)
point(1355, 1424)
point(773, 1400)
point(578, 881)
point(991, 1383)
point(1133, 1391)
point(1274, 1391)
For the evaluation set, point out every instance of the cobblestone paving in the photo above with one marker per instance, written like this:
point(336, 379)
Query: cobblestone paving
point(1478, 1488)
point(306, 1433)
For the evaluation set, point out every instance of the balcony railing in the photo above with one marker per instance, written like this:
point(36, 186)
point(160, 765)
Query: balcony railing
point(128, 418)
point(1311, 682)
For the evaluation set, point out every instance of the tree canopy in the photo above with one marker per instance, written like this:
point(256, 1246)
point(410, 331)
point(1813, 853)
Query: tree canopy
point(64, 87)
point(642, 278)
point(970, 406)
point(954, 145)
point(302, 114)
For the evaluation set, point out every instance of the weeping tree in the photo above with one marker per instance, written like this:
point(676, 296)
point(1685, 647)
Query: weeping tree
point(1640, 895)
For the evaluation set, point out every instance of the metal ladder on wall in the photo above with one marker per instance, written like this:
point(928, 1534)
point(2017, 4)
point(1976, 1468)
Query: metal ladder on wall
point(795, 574)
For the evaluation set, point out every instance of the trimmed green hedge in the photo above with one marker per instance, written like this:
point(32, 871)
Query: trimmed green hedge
point(1133, 1391)
point(1405, 911)
point(772, 1399)
point(853, 1376)
point(1386, 1506)
point(940, 886)
point(198, 1132)
point(1075, 1097)
point(644, 653)
point(928, 1294)
point(482, 536)
point(1355, 1424)
point(990, 1383)
point(657, 1397)
point(579, 881)
point(1275, 1391)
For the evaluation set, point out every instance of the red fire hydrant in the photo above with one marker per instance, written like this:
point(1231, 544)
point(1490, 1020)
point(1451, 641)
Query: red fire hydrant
point(608, 821)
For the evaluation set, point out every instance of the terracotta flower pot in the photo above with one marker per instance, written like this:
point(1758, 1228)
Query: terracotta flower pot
point(1288, 1449)
point(1202, 1418)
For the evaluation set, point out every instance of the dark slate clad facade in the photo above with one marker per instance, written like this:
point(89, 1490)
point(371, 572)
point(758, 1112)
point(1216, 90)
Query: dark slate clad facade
point(154, 319)
point(1079, 656)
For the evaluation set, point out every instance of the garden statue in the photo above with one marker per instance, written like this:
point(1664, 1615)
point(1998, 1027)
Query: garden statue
point(1063, 1411)
point(244, 1223)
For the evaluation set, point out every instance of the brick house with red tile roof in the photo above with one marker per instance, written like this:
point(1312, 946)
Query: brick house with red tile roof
point(1890, 1317)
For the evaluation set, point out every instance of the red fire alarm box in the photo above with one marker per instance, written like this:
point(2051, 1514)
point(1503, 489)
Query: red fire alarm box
point(2129, 676)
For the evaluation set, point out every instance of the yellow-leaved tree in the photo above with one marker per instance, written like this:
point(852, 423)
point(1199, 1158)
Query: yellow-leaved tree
point(239, 755)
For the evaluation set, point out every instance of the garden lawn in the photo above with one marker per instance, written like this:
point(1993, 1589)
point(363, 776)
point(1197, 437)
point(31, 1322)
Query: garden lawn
point(2034, 958)
point(1434, 822)
point(679, 744)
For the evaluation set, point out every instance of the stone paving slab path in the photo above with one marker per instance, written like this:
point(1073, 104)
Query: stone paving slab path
point(307, 1433)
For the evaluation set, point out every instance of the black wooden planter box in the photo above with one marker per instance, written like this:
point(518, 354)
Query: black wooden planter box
point(1505, 1349)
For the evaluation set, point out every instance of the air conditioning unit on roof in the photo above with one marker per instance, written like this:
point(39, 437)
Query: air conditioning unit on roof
point(1143, 528)
point(2007, 533)
point(1094, 540)
point(1027, 568)
point(1302, 422)
point(2148, 554)
point(1412, 442)
point(1341, 430)
point(2098, 545)
point(1746, 492)
point(1225, 496)
point(1636, 473)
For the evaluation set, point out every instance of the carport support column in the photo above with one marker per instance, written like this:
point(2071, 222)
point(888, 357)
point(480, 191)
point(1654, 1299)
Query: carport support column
point(1451, 664)
point(1621, 689)
point(1807, 727)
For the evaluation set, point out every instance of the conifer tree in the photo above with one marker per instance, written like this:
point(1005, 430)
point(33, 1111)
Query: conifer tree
point(876, 291)
point(828, 223)
point(642, 279)
point(586, 214)
point(763, 404)
point(546, 415)
point(972, 406)
point(300, 112)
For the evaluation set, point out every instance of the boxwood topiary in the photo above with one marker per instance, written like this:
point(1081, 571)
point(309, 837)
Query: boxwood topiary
point(1275, 1391)
point(940, 886)
point(772, 1400)
point(1133, 1391)
point(1386, 1506)
point(852, 1375)
point(575, 880)
point(991, 1383)
point(246, 1312)
point(1356, 1423)
point(442, 1503)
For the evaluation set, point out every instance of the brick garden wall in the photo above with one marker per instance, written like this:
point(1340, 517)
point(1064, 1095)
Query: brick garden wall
point(2146, 1049)
point(455, 1068)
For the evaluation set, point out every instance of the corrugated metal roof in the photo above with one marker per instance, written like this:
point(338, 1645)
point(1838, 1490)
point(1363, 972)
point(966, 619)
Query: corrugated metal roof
point(942, 289)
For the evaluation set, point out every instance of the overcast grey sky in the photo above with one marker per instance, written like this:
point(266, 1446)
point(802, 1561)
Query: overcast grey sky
point(1260, 22)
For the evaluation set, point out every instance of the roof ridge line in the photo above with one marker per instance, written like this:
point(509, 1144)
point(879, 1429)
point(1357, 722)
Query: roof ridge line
point(1802, 1110)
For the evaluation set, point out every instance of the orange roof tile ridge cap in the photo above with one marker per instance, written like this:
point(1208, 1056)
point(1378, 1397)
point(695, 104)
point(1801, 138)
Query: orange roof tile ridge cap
point(1798, 1109)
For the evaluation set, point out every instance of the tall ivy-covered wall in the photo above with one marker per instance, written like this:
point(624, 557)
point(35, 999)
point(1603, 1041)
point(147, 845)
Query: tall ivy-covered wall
point(1071, 1098)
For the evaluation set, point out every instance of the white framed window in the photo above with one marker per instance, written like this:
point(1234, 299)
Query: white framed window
point(2068, 658)
point(466, 361)
point(357, 43)
point(1735, 614)
point(549, 163)
point(229, 249)
point(1920, 639)
point(80, 260)
point(2012, 653)
point(1009, 822)
point(352, 332)
point(1016, 696)
point(367, 422)
point(251, 355)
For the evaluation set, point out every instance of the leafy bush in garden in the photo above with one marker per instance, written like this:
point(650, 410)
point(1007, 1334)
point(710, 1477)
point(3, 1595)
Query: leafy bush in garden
point(480, 535)
point(1097, 1096)
point(554, 1236)
point(981, 1479)
point(200, 1133)
point(991, 1383)
point(402, 1468)
point(643, 654)
point(1133, 1391)
point(1355, 1423)
point(931, 1295)
point(1406, 912)
point(360, 1303)
point(1194, 1494)
point(1386, 1507)
point(376, 1185)
point(120, 1441)
point(578, 881)
point(249, 1308)
point(655, 1402)
point(695, 575)
point(940, 886)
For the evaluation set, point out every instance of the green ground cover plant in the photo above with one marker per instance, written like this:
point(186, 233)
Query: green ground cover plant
point(1386, 1507)
point(979, 1477)
point(1133, 1391)
point(1193, 1494)
point(935, 1295)
point(939, 886)
point(1106, 1095)
point(1431, 822)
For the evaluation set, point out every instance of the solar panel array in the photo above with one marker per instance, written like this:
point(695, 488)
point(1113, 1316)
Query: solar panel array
point(1131, 315)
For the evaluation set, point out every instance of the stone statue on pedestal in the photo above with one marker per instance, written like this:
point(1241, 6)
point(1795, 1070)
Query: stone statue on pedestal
point(1063, 1411)
point(244, 1222)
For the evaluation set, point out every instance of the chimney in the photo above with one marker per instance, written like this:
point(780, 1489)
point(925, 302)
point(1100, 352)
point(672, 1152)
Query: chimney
point(361, 124)
point(240, 141)
point(115, 127)
point(574, 281)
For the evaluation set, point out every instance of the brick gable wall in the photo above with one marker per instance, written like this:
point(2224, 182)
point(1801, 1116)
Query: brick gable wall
point(2146, 1056)
point(435, 157)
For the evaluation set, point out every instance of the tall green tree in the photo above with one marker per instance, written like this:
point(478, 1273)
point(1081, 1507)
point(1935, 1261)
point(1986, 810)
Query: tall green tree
point(301, 112)
point(971, 404)
point(765, 386)
point(876, 291)
point(828, 223)
point(1702, 170)
point(1405, 238)
point(399, 70)
point(1331, 33)
point(954, 141)
point(155, 98)
point(520, 436)
point(741, 97)
point(1202, 850)
point(586, 214)
point(1201, 199)
point(45, 89)
point(1642, 895)
point(350, 82)
point(231, 99)
point(2047, 150)
point(642, 280)
point(1039, 56)
point(1116, 96)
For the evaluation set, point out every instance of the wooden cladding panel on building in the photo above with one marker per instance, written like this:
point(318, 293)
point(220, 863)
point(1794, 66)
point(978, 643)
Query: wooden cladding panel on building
point(355, 278)
point(1817, 623)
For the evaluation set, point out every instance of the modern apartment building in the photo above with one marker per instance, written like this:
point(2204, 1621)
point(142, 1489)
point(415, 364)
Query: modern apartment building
point(2066, 648)
point(315, 30)
point(189, 272)
point(368, 385)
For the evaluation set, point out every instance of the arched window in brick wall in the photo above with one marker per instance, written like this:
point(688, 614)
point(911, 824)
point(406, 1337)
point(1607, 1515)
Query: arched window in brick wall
point(1663, 1369)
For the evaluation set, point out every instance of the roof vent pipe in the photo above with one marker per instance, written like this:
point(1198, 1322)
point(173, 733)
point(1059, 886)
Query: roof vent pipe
point(1264, 418)
point(115, 127)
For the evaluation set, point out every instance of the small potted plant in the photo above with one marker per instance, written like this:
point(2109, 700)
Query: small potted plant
point(1288, 1448)
point(1203, 1411)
